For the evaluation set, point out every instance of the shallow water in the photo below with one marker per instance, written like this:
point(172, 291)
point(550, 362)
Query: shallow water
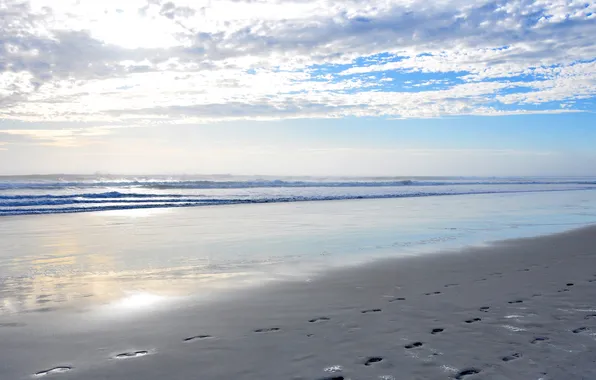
point(151, 257)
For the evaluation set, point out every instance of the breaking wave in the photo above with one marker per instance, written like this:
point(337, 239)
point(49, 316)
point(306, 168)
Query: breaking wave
point(26, 195)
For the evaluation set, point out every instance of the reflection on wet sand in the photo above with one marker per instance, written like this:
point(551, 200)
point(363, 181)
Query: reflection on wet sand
point(61, 271)
point(83, 291)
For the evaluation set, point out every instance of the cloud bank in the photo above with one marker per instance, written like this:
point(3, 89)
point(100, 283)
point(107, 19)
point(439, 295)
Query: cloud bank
point(182, 62)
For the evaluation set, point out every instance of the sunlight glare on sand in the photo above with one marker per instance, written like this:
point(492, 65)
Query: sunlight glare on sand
point(137, 302)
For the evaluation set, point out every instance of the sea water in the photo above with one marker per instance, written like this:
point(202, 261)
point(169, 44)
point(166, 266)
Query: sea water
point(250, 232)
point(69, 193)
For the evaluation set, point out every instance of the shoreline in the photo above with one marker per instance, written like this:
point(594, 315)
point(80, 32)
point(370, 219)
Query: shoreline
point(516, 309)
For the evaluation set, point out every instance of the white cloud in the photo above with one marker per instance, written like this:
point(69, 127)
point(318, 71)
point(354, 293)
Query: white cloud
point(154, 61)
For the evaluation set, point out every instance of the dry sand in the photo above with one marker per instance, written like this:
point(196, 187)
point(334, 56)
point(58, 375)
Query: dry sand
point(523, 309)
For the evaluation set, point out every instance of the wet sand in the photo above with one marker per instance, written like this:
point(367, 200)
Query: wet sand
point(519, 309)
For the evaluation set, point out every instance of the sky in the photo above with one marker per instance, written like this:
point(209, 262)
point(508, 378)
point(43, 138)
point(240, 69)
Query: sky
point(298, 87)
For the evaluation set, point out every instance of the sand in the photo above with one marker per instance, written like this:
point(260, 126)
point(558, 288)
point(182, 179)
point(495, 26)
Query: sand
point(519, 309)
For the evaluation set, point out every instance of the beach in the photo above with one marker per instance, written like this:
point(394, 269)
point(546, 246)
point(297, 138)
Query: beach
point(520, 309)
point(297, 190)
point(451, 301)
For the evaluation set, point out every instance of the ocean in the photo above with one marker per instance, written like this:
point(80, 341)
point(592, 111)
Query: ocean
point(49, 194)
point(82, 241)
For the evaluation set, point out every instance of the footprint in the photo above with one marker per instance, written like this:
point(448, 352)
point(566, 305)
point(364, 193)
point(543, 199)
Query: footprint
point(197, 337)
point(536, 295)
point(569, 284)
point(539, 339)
point(473, 320)
point(128, 355)
point(511, 357)
point(397, 299)
point(371, 311)
point(466, 372)
point(320, 319)
point(484, 309)
point(53, 371)
point(562, 290)
point(372, 360)
point(450, 285)
point(516, 301)
point(413, 345)
point(332, 378)
point(590, 316)
point(580, 329)
point(270, 329)
point(436, 331)
point(432, 293)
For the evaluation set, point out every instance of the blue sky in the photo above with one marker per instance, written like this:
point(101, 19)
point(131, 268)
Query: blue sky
point(398, 87)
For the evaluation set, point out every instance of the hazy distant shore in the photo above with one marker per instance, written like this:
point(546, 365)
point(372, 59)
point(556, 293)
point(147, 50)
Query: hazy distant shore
point(519, 309)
